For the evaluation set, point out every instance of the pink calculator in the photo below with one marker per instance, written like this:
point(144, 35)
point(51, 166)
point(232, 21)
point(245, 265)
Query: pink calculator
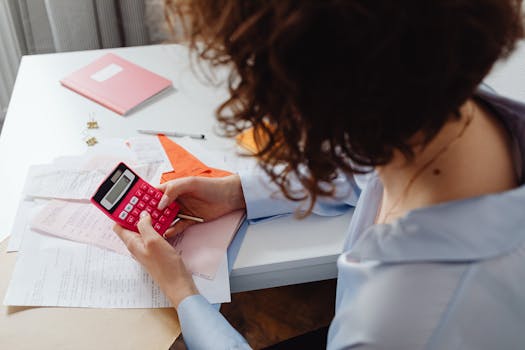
point(123, 195)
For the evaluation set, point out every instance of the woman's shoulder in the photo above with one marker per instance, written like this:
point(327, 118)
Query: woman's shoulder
point(438, 305)
point(395, 306)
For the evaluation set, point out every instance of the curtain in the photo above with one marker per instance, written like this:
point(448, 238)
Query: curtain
point(71, 25)
point(9, 58)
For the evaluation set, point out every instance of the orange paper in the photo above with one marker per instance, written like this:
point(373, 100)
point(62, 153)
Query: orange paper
point(246, 139)
point(184, 163)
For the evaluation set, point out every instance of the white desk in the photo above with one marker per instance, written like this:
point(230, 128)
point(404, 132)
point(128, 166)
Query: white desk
point(45, 120)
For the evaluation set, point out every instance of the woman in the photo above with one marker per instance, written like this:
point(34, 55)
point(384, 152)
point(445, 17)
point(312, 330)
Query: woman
point(381, 99)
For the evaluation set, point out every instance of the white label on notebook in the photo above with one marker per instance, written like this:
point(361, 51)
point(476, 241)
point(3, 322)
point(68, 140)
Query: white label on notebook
point(107, 72)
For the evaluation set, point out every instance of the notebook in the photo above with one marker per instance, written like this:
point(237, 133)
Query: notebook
point(116, 83)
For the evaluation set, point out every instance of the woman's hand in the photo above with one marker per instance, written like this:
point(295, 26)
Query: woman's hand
point(160, 260)
point(208, 198)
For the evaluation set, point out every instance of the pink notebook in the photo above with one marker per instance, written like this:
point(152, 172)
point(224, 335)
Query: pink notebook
point(116, 83)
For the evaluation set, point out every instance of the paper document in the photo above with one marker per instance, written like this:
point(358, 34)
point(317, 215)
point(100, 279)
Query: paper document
point(149, 172)
point(80, 222)
point(27, 209)
point(76, 177)
point(212, 158)
point(147, 150)
point(56, 272)
point(201, 246)
point(225, 158)
point(46, 181)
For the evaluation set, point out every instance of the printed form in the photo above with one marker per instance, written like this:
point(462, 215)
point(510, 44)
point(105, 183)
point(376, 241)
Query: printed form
point(27, 209)
point(56, 272)
point(46, 181)
point(202, 246)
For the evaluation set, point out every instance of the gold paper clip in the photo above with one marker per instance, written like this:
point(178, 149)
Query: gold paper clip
point(92, 141)
point(92, 123)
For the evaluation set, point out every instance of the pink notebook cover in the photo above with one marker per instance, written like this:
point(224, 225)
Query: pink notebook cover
point(115, 83)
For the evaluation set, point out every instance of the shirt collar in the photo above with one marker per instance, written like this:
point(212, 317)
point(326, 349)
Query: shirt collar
point(472, 229)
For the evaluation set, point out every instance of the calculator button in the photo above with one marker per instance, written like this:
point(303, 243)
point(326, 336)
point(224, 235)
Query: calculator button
point(153, 203)
point(172, 205)
point(131, 220)
point(158, 195)
point(146, 198)
point(155, 215)
point(135, 212)
point(167, 211)
point(157, 227)
point(123, 215)
point(144, 187)
point(163, 219)
point(149, 209)
point(141, 205)
point(139, 193)
point(134, 200)
point(151, 191)
point(128, 207)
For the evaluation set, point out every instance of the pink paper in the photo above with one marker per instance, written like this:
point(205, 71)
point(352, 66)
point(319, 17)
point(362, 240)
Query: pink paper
point(202, 246)
point(80, 222)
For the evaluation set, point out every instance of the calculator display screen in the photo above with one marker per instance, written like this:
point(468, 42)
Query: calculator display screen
point(117, 189)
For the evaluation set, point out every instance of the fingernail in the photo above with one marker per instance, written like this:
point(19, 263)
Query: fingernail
point(143, 214)
point(163, 202)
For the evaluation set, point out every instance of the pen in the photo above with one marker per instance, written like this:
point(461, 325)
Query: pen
point(173, 133)
point(189, 217)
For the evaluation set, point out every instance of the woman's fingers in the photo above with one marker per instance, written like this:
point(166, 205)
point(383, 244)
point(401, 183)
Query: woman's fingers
point(179, 227)
point(131, 239)
point(144, 225)
point(146, 229)
point(173, 189)
point(170, 233)
point(164, 202)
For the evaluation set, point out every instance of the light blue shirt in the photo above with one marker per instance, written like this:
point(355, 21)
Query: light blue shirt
point(449, 276)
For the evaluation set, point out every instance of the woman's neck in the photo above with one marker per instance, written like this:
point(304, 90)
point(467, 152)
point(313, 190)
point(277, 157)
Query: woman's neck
point(469, 156)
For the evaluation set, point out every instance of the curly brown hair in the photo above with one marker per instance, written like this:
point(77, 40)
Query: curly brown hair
point(334, 85)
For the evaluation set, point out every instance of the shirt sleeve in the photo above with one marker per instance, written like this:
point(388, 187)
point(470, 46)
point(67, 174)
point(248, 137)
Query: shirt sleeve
point(203, 327)
point(264, 199)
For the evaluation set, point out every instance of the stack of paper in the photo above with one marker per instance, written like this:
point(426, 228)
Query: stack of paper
point(69, 254)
